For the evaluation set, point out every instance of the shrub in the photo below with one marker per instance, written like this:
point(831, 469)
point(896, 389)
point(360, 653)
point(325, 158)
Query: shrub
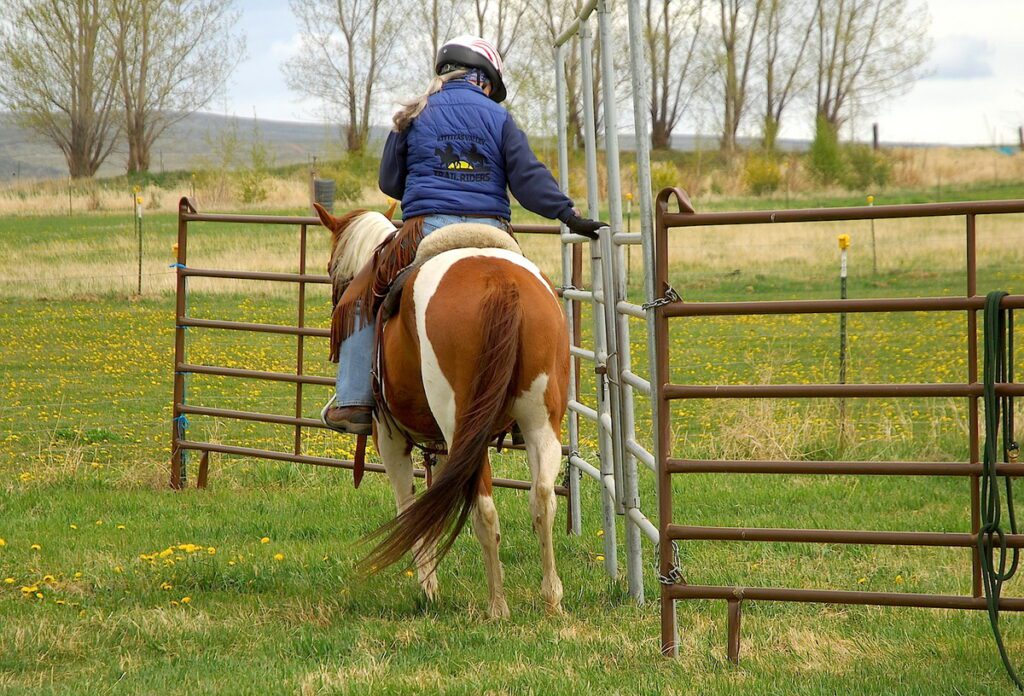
point(761, 174)
point(825, 160)
point(865, 167)
point(663, 175)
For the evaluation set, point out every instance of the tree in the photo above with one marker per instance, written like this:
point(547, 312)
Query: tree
point(58, 72)
point(173, 59)
point(346, 50)
point(672, 34)
point(865, 50)
point(787, 27)
point(738, 26)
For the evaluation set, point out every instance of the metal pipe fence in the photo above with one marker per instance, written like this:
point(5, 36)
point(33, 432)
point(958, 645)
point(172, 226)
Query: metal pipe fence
point(674, 585)
point(182, 443)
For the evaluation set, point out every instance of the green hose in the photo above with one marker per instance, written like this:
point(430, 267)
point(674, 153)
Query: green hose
point(998, 367)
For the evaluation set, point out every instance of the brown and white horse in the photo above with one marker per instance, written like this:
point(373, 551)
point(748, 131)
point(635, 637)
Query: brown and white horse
point(479, 339)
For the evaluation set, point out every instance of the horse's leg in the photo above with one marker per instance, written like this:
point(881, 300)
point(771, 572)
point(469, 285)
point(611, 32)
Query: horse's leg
point(544, 452)
point(394, 454)
point(488, 533)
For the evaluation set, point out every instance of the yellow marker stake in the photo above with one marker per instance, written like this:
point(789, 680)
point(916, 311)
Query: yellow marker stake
point(844, 241)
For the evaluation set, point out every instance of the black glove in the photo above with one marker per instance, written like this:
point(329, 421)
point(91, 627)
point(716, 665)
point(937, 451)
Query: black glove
point(584, 226)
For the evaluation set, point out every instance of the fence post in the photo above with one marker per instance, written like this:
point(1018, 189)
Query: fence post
point(572, 471)
point(597, 289)
point(844, 245)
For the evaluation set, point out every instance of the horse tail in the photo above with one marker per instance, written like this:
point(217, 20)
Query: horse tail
point(440, 513)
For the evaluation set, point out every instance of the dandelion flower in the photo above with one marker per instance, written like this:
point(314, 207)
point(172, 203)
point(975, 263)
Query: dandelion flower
point(899, 579)
point(99, 522)
point(120, 526)
point(600, 532)
point(29, 589)
point(35, 547)
point(8, 581)
point(48, 579)
point(278, 556)
point(78, 575)
point(231, 563)
point(186, 600)
point(861, 581)
point(408, 573)
point(3, 542)
point(211, 550)
point(174, 602)
point(599, 557)
point(74, 526)
point(166, 585)
point(61, 602)
point(118, 569)
point(265, 540)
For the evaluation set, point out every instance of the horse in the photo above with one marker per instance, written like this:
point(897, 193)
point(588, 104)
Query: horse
point(478, 340)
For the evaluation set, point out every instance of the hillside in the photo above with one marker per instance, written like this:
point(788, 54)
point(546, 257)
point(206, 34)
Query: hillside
point(182, 147)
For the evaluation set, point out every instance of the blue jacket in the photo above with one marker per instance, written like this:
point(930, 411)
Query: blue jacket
point(461, 155)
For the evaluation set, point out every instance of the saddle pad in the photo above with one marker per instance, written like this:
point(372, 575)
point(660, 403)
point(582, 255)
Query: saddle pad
point(465, 235)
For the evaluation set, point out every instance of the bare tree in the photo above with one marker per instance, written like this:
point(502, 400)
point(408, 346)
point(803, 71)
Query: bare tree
point(673, 33)
point(58, 76)
point(438, 16)
point(865, 50)
point(173, 59)
point(499, 21)
point(738, 25)
point(347, 46)
point(787, 28)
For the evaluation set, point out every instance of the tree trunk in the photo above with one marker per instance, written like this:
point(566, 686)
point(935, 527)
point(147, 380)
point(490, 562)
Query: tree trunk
point(661, 136)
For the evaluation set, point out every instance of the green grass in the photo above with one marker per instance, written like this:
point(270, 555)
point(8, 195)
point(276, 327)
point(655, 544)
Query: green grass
point(85, 423)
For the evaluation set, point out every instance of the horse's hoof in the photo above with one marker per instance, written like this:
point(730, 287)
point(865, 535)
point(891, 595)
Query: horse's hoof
point(554, 609)
point(499, 609)
point(430, 588)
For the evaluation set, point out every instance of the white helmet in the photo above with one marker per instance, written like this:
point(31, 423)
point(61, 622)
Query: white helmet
point(474, 52)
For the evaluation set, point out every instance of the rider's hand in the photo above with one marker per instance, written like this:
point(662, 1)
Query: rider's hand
point(584, 226)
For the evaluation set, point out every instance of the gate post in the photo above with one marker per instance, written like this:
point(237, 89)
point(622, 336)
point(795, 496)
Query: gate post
point(568, 281)
point(604, 420)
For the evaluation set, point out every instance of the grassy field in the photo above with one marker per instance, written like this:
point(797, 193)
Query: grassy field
point(111, 582)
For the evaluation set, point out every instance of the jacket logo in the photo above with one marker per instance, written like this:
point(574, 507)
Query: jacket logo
point(464, 160)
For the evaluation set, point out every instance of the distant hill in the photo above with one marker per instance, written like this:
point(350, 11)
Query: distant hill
point(182, 147)
point(185, 145)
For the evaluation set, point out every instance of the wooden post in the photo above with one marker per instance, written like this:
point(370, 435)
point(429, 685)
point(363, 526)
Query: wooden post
point(1020, 137)
point(874, 136)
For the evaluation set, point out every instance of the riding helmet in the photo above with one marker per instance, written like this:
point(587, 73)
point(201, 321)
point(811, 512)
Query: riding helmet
point(474, 52)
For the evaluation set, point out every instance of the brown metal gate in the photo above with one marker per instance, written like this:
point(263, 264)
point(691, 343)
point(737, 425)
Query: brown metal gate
point(187, 213)
point(674, 586)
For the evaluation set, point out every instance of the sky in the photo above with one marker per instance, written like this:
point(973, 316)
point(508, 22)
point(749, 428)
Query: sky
point(973, 91)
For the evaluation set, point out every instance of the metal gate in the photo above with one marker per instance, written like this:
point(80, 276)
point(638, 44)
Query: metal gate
point(674, 586)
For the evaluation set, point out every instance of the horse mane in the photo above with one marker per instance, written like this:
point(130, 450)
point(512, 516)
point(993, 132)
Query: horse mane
point(353, 241)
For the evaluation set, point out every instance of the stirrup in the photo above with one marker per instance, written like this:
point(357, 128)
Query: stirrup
point(323, 415)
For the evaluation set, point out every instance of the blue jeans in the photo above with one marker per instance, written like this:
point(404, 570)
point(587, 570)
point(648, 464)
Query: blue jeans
point(355, 356)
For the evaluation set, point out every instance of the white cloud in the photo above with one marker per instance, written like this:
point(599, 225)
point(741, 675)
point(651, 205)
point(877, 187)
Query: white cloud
point(960, 57)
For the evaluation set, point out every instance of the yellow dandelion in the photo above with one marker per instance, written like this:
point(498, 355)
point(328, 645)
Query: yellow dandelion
point(73, 526)
point(174, 602)
point(3, 542)
point(61, 602)
point(861, 581)
point(78, 575)
point(48, 579)
point(265, 540)
point(408, 573)
point(99, 522)
point(598, 557)
point(166, 585)
point(118, 569)
point(231, 563)
point(8, 581)
point(121, 526)
point(899, 579)
point(35, 547)
point(29, 589)
point(211, 550)
point(82, 614)
point(278, 556)
point(186, 600)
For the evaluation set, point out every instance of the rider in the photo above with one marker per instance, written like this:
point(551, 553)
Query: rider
point(452, 157)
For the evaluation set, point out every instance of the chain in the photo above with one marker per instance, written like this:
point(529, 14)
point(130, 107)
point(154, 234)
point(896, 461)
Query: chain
point(670, 296)
point(675, 573)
